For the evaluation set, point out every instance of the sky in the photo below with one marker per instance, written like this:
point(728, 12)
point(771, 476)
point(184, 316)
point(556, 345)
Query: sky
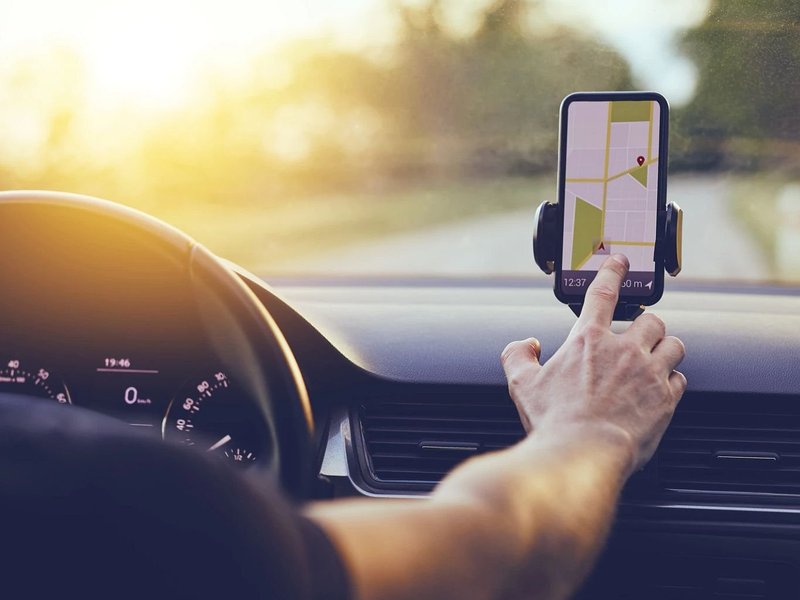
point(147, 52)
point(151, 49)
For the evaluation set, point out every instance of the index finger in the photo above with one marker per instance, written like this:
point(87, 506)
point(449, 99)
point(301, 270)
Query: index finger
point(603, 293)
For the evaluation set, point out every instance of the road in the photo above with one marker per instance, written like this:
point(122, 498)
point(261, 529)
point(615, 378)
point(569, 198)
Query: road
point(715, 245)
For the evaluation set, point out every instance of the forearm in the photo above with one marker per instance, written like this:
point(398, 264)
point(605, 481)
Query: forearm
point(558, 491)
point(525, 522)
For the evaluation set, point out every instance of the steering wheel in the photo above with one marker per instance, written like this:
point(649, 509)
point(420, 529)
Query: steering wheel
point(34, 225)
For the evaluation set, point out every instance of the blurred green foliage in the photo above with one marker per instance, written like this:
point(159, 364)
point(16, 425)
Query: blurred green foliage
point(745, 113)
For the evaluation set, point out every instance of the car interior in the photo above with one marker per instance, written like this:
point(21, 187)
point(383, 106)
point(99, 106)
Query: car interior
point(371, 368)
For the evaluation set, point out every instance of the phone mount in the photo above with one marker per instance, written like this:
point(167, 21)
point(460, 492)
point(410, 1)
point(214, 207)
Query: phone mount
point(547, 235)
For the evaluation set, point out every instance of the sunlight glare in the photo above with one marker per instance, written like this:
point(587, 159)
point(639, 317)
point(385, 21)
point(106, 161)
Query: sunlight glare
point(146, 63)
point(150, 54)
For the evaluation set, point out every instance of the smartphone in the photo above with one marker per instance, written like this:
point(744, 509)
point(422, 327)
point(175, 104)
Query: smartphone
point(612, 190)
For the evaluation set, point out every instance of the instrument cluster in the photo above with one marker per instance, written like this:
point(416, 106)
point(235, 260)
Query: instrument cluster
point(206, 410)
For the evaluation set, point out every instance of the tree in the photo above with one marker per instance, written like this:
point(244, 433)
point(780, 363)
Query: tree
point(748, 58)
point(488, 103)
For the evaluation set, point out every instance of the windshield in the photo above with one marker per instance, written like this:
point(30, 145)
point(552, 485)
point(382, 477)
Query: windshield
point(388, 137)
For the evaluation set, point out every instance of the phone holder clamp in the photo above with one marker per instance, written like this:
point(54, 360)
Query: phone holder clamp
point(547, 237)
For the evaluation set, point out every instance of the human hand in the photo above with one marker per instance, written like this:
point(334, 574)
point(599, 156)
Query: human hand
point(620, 386)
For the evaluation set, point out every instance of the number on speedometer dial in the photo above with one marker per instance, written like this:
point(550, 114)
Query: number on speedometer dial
point(17, 378)
point(214, 415)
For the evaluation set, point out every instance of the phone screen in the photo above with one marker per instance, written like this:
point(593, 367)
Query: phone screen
point(612, 187)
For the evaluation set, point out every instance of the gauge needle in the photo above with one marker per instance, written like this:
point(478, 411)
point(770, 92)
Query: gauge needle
point(221, 442)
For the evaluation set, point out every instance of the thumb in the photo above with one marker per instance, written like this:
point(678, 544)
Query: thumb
point(521, 357)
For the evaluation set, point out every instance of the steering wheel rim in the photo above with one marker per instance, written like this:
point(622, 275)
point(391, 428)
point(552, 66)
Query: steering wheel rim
point(264, 363)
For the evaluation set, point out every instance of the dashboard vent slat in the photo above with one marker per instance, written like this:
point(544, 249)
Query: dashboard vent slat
point(413, 441)
point(733, 443)
point(716, 444)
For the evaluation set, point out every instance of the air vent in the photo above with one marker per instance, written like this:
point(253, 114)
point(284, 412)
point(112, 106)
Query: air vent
point(633, 576)
point(733, 443)
point(418, 440)
point(717, 444)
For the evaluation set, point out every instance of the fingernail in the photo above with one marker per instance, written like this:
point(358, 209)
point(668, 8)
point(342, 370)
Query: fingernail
point(536, 344)
point(621, 259)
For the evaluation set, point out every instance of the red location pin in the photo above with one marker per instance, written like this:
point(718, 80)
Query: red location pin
point(640, 160)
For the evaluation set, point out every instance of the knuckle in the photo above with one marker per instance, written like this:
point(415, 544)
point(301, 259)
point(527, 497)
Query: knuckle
point(592, 333)
point(519, 377)
point(515, 380)
point(630, 351)
point(604, 293)
point(679, 346)
point(665, 393)
point(656, 323)
point(682, 382)
point(674, 350)
point(577, 341)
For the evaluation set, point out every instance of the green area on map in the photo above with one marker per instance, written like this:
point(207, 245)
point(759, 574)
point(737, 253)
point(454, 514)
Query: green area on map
point(640, 175)
point(624, 111)
point(587, 232)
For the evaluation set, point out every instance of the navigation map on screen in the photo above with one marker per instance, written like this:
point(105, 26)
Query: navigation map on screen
point(610, 191)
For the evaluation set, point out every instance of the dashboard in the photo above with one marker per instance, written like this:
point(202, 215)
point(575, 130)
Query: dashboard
point(405, 381)
point(369, 349)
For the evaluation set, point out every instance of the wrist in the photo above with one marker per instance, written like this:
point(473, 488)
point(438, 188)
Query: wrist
point(602, 439)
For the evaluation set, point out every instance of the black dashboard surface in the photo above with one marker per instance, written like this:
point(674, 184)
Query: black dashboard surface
point(737, 341)
point(433, 347)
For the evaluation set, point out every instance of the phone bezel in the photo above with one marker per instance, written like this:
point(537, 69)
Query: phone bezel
point(663, 152)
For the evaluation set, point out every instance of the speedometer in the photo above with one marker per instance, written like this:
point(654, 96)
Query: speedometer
point(17, 378)
point(213, 414)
